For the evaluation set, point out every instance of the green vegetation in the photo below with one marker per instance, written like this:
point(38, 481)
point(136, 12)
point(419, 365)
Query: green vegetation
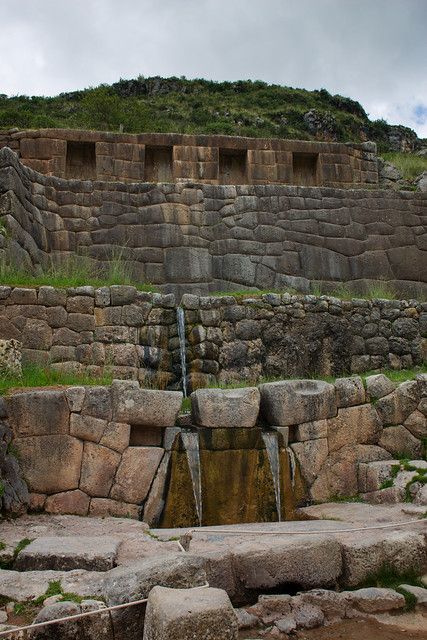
point(8, 564)
point(2, 546)
point(409, 164)
point(37, 376)
point(389, 578)
point(75, 272)
point(242, 108)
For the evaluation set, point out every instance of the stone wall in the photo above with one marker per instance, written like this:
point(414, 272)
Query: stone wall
point(133, 334)
point(156, 157)
point(278, 335)
point(198, 238)
point(107, 450)
point(128, 333)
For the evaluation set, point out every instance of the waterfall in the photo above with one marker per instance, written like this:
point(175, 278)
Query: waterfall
point(180, 320)
point(190, 440)
point(271, 441)
point(292, 463)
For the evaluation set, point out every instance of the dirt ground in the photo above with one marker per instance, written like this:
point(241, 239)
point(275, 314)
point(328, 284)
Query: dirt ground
point(404, 627)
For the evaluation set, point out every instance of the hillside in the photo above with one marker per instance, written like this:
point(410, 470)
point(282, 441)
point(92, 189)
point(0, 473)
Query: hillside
point(243, 108)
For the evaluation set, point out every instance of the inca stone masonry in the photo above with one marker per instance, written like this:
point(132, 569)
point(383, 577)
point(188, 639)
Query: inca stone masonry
point(195, 225)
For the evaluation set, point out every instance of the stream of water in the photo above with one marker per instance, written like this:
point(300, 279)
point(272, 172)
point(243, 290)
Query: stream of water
point(190, 440)
point(271, 441)
point(180, 321)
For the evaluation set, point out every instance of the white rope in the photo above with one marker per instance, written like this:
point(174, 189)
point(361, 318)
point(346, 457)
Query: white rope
point(255, 532)
point(78, 616)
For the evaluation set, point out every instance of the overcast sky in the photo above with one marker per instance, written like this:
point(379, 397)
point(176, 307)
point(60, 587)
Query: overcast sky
point(374, 51)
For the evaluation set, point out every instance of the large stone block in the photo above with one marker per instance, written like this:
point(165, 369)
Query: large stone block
point(99, 466)
point(50, 463)
point(395, 407)
point(291, 402)
point(349, 391)
point(36, 413)
point(72, 502)
point(354, 425)
point(225, 407)
point(185, 614)
point(400, 442)
point(138, 406)
point(188, 264)
point(135, 474)
point(69, 552)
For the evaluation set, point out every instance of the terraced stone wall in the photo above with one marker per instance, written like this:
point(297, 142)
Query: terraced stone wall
point(168, 157)
point(134, 335)
point(199, 238)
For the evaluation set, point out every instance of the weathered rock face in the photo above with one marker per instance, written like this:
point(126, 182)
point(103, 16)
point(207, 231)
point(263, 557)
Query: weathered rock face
point(67, 553)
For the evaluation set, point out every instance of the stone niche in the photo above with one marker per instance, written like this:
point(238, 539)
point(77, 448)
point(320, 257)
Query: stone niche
point(158, 164)
point(305, 168)
point(232, 166)
point(81, 160)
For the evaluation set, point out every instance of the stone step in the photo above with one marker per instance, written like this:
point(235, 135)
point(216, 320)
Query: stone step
point(68, 553)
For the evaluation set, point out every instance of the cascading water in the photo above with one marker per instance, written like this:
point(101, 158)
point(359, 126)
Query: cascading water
point(190, 440)
point(180, 321)
point(292, 463)
point(271, 441)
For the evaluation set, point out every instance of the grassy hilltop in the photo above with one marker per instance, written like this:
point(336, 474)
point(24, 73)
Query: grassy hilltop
point(244, 108)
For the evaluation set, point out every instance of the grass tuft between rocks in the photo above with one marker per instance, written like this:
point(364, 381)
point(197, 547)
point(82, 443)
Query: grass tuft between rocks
point(388, 577)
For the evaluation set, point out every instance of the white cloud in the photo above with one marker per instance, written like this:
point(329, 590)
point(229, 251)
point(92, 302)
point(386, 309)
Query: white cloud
point(373, 51)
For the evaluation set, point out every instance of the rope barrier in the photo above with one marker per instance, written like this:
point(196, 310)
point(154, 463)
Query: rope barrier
point(79, 616)
point(301, 532)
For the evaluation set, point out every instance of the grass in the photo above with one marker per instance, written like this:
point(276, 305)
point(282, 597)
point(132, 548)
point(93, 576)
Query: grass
point(409, 164)
point(8, 564)
point(75, 272)
point(389, 578)
point(37, 376)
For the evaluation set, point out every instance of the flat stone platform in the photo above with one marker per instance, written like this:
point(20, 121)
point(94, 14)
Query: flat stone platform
point(245, 563)
point(67, 553)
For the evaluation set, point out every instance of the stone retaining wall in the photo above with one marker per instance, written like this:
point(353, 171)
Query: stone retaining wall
point(129, 333)
point(200, 238)
point(106, 450)
point(161, 157)
point(133, 334)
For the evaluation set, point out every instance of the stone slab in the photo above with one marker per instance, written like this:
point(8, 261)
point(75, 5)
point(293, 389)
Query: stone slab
point(67, 553)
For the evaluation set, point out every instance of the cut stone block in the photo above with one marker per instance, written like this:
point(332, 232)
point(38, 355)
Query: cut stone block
point(185, 614)
point(349, 391)
point(136, 473)
point(50, 464)
point(354, 425)
point(378, 386)
point(396, 407)
point(134, 405)
point(38, 413)
point(69, 552)
point(291, 402)
point(311, 431)
point(373, 474)
point(224, 408)
point(399, 441)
